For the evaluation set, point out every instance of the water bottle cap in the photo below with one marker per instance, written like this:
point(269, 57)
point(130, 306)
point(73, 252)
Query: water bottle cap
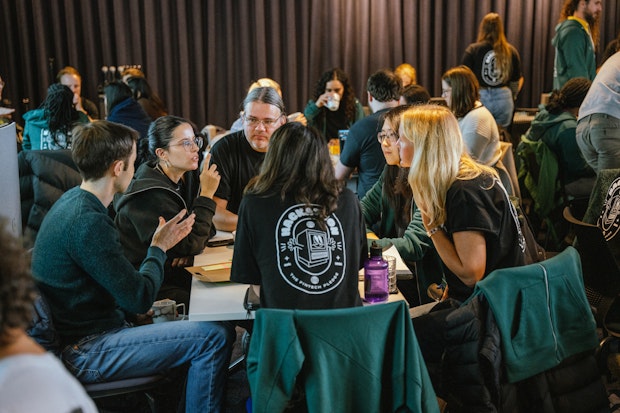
point(375, 250)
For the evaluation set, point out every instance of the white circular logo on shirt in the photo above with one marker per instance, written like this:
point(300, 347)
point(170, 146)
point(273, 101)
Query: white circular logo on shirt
point(490, 73)
point(310, 258)
point(609, 220)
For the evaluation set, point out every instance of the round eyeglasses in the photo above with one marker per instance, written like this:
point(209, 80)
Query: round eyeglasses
point(188, 144)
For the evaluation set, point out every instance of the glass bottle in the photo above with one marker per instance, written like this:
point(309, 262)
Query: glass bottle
point(376, 276)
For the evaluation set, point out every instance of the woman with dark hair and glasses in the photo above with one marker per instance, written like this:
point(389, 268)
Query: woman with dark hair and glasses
point(393, 219)
point(168, 182)
point(300, 236)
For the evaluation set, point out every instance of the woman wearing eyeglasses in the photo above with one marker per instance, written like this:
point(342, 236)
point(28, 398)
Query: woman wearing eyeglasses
point(168, 182)
point(392, 218)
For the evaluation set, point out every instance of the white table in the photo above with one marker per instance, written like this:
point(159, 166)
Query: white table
point(224, 301)
point(217, 301)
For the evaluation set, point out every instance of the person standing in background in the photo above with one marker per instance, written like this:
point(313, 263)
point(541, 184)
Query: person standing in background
point(70, 77)
point(575, 41)
point(598, 125)
point(497, 66)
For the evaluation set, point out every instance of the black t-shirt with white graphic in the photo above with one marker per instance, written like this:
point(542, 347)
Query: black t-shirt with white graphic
point(299, 265)
point(480, 58)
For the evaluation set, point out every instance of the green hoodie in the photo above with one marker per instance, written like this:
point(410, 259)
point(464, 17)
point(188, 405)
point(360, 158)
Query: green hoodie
point(38, 136)
point(574, 53)
point(558, 133)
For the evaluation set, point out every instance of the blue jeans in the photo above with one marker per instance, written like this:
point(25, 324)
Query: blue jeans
point(500, 103)
point(598, 138)
point(145, 350)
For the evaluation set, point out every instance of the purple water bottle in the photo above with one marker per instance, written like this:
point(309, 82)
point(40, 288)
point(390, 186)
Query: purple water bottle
point(376, 276)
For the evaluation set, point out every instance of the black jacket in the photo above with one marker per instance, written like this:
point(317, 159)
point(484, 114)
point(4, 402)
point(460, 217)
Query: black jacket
point(150, 195)
point(473, 379)
point(44, 175)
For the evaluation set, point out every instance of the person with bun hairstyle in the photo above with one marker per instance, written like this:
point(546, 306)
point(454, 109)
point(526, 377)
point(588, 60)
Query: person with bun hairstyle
point(555, 124)
point(169, 181)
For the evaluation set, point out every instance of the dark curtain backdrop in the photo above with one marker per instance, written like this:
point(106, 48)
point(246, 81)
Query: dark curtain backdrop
point(201, 55)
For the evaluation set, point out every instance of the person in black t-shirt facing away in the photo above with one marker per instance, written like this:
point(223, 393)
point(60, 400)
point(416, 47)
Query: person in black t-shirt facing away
point(301, 236)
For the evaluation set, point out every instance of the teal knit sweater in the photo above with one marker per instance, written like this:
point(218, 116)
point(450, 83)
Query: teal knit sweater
point(79, 266)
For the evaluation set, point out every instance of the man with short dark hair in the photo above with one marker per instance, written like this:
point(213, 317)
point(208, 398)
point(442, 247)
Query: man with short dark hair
point(575, 41)
point(362, 150)
point(91, 288)
point(239, 155)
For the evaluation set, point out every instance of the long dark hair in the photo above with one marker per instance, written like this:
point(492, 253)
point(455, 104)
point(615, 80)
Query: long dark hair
point(348, 96)
point(59, 112)
point(492, 31)
point(396, 186)
point(142, 89)
point(115, 93)
point(298, 165)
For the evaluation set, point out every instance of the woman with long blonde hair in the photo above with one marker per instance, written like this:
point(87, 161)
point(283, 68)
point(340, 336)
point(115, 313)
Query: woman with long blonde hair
point(465, 209)
point(497, 66)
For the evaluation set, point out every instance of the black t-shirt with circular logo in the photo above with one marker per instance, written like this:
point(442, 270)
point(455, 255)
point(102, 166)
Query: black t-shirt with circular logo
point(299, 264)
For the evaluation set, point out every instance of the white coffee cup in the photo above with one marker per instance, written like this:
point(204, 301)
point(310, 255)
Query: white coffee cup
point(166, 310)
point(333, 102)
